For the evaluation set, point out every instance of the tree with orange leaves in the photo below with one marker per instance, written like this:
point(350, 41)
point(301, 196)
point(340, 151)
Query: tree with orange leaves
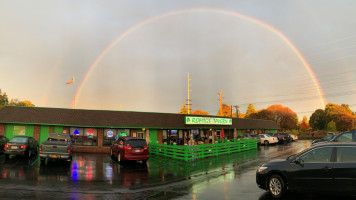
point(200, 112)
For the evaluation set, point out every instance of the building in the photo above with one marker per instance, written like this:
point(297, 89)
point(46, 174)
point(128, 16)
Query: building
point(95, 130)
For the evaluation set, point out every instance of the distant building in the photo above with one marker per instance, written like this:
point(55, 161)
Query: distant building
point(95, 130)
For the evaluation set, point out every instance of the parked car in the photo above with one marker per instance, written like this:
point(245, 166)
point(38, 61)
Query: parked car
point(58, 146)
point(21, 145)
point(327, 138)
point(348, 136)
point(283, 137)
point(325, 167)
point(294, 137)
point(267, 139)
point(255, 136)
point(3, 141)
point(129, 148)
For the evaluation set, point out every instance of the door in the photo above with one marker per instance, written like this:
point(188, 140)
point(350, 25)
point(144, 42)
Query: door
point(313, 170)
point(345, 169)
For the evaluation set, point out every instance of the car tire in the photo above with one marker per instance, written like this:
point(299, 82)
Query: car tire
point(7, 156)
point(266, 142)
point(276, 186)
point(144, 162)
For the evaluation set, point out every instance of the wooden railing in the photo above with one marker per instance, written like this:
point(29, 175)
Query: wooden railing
point(188, 153)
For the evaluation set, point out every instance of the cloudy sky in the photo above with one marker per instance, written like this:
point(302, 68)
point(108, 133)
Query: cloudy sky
point(135, 55)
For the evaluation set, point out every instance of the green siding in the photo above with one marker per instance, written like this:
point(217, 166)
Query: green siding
point(44, 133)
point(9, 132)
point(153, 135)
point(58, 129)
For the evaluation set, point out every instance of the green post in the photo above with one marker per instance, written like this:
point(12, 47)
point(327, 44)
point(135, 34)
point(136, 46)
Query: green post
point(165, 149)
point(186, 152)
point(202, 149)
point(174, 150)
point(216, 146)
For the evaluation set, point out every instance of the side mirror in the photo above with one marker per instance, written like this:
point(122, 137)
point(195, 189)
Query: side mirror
point(299, 161)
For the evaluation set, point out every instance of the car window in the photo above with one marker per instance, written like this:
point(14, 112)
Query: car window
point(136, 143)
point(346, 137)
point(346, 154)
point(19, 140)
point(262, 136)
point(317, 155)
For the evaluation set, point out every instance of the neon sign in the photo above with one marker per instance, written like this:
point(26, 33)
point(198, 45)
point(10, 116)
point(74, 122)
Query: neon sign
point(110, 134)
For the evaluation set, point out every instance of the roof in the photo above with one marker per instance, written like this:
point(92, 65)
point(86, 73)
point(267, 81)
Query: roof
point(115, 119)
point(335, 144)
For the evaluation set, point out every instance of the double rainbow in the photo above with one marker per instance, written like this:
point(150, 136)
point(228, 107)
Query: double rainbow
point(214, 10)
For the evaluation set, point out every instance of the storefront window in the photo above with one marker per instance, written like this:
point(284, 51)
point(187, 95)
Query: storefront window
point(84, 137)
point(109, 136)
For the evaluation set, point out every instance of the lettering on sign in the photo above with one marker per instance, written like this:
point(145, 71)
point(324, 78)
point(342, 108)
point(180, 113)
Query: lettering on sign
point(207, 120)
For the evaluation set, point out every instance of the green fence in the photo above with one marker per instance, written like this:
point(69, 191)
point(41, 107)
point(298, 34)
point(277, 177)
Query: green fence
point(188, 153)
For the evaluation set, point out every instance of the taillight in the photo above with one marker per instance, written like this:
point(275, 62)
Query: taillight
point(145, 147)
point(41, 147)
point(23, 146)
point(6, 146)
point(127, 147)
point(282, 137)
point(68, 149)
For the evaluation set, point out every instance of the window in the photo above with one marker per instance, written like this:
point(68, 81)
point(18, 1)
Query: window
point(136, 143)
point(110, 136)
point(346, 154)
point(317, 155)
point(346, 137)
point(84, 137)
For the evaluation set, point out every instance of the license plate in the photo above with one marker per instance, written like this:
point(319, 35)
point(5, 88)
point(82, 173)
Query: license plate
point(137, 151)
point(54, 156)
point(14, 147)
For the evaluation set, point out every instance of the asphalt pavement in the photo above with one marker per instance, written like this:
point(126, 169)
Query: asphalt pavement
point(97, 176)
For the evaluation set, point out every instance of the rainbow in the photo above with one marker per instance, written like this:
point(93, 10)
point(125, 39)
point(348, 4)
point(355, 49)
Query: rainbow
point(214, 10)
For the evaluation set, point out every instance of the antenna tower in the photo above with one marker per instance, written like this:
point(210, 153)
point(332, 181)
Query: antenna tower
point(189, 100)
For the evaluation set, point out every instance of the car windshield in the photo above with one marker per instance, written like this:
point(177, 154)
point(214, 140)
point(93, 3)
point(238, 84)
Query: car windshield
point(19, 140)
point(136, 143)
point(328, 137)
point(58, 137)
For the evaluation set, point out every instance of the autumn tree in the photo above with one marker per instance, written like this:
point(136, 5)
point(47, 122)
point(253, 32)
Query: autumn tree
point(318, 120)
point(304, 124)
point(3, 99)
point(183, 110)
point(331, 126)
point(200, 112)
point(344, 122)
point(224, 111)
point(16, 102)
point(250, 110)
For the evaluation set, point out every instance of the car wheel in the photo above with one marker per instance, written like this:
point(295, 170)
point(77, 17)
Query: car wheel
point(266, 142)
point(276, 186)
point(144, 162)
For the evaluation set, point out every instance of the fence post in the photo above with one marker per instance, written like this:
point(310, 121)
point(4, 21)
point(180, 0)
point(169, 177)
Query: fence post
point(186, 152)
point(165, 149)
point(174, 150)
point(202, 149)
point(216, 146)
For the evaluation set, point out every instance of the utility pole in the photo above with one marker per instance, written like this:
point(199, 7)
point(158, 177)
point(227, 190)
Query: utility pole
point(220, 100)
point(237, 110)
point(188, 100)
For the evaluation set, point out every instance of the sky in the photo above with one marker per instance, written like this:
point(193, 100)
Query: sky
point(135, 55)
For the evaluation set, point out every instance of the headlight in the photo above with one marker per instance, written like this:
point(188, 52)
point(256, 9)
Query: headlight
point(261, 169)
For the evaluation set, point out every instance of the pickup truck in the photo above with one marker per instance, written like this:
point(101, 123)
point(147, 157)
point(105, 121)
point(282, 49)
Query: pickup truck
point(58, 146)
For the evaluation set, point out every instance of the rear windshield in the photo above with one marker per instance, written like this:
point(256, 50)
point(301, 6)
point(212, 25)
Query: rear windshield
point(19, 140)
point(136, 143)
point(58, 137)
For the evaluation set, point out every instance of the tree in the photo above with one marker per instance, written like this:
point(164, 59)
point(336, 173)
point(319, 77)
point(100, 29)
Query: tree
point(318, 120)
point(16, 102)
point(183, 110)
point(3, 99)
point(225, 111)
point(200, 112)
point(331, 126)
point(344, 122)
point(250, 110)
point(333, 110)
point(304, 124)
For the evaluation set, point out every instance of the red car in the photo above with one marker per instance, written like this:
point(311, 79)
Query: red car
point(129, 148)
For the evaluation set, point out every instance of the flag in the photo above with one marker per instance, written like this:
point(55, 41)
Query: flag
point(71, 81)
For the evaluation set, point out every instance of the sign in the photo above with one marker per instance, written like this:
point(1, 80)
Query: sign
point(122, 134)
point(19, 130)
point(207, 120)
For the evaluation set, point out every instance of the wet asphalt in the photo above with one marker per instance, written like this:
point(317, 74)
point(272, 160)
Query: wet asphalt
point(98, 176)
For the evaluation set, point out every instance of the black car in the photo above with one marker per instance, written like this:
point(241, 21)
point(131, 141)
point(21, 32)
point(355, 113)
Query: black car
point(327, 138)
point(3, 141)
point(325, 167)
point(283, 137)
point(348, 136)
point(21, 145)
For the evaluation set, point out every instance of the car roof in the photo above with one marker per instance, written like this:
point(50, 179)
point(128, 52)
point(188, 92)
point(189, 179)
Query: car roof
point(335, 144)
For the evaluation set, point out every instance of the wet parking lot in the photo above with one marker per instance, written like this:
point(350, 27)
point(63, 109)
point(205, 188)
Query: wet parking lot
point(97, 176)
